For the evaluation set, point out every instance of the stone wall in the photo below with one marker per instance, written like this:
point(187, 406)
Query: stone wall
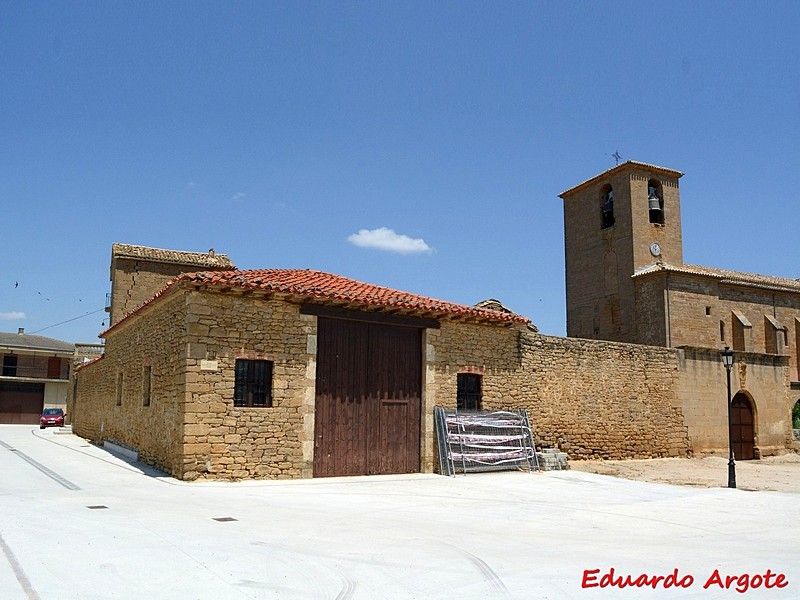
point(603, 400)
point(227, 442)
point(152, 342)
point(490, 351)
point(133, 282)
point(590, 398)
point(190, 341)
point(703, 392)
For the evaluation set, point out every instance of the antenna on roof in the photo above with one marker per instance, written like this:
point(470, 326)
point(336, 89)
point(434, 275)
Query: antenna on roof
point(616, 156)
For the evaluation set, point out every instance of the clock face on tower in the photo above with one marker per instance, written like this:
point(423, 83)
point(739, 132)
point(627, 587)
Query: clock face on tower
point(655, 249)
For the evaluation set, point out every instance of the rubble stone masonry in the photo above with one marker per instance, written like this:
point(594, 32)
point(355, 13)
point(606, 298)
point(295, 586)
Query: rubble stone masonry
point(191, 429)
point(590, 398)
point(106, 399)
point(223, 441)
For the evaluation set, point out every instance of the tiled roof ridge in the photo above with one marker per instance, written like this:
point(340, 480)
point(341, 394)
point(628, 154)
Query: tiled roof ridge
point(325, 286)
point(725, 275)
point(184, 257)
point(619, 167)
point(338, 287)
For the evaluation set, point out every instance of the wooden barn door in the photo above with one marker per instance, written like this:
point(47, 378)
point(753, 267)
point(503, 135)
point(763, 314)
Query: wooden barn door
point(368, 398)
point(742, 428)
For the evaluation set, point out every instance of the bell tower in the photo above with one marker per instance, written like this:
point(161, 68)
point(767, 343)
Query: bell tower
point(616, 223)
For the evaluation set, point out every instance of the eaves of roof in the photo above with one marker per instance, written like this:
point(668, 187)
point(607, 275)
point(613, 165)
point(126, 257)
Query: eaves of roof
point(725, 276)
point(37, 343)
point(179, 257)
point(90, 363)
point(308, 286)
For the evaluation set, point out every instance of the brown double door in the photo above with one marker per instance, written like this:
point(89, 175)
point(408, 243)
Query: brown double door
point(742, 428)
point(368, 398)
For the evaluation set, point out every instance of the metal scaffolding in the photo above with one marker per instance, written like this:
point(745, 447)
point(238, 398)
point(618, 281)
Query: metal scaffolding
point(484, 441)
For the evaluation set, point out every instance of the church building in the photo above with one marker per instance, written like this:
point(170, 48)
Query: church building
point(627, 282)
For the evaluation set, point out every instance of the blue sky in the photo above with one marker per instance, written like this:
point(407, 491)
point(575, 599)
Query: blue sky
point(302, 134)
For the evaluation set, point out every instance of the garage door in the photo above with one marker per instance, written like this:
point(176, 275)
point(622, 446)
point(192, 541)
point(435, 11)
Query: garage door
point(368, 398)
point(21, 402)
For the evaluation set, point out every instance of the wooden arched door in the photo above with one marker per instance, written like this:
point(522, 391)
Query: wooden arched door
point(742, 428)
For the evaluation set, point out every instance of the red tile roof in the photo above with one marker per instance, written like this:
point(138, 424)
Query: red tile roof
point(307, 285)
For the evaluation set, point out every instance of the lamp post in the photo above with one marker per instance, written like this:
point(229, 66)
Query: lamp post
point(727, 360)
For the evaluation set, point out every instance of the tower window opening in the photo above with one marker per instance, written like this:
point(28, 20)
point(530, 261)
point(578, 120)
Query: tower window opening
point(607, 206)
point(655, 201)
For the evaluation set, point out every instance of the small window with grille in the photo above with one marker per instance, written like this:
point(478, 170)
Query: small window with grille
point(253, 384)
point(468, 395)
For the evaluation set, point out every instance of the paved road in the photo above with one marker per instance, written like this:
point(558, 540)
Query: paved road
point(79, 523)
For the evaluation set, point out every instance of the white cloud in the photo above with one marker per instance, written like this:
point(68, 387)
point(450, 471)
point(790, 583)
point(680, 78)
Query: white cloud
point(11, 316)
point(384, 238)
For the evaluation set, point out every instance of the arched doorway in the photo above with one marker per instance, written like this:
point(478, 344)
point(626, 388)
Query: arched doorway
point(742, 428)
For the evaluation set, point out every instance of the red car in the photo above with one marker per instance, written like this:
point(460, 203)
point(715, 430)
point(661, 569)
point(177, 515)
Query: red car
point(51, 417)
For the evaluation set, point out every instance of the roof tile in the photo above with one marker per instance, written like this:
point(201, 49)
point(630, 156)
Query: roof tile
point(304, 284)
point(198, 259)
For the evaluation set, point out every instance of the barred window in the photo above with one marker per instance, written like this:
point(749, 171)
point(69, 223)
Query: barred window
point(253, 386)
point(468, 394)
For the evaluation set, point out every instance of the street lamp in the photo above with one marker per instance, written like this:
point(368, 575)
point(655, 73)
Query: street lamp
point(727, 360)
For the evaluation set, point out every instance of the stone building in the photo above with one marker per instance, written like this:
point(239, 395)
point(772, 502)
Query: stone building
point(292, 373)
point(627, 282)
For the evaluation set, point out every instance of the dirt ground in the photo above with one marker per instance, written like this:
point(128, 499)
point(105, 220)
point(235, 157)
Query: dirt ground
point(774, 473)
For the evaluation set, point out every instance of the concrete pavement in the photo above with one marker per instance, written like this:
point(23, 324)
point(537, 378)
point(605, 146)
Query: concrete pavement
point(77, 522)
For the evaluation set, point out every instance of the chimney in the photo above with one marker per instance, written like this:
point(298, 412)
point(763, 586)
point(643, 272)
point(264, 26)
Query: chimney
point(21, 331)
